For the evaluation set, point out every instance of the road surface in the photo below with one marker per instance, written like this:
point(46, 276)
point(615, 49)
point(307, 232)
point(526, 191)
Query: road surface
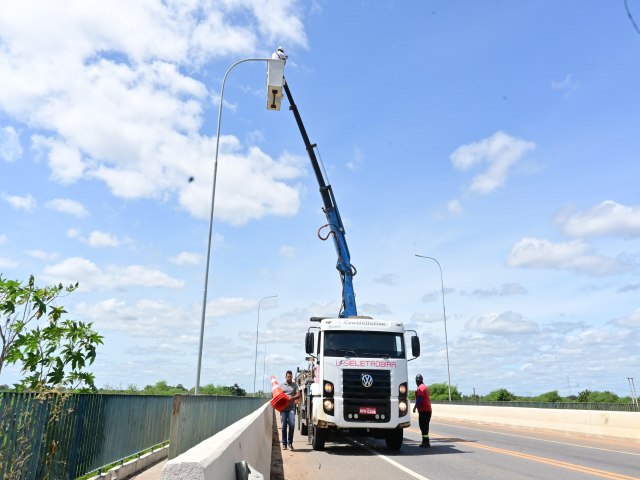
point(465, 451)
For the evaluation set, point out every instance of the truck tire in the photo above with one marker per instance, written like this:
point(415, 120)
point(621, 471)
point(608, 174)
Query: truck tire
point(394, 439)
point(316, 437)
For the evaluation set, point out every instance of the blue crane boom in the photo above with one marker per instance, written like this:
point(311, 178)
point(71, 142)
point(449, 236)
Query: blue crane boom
point(334, 222)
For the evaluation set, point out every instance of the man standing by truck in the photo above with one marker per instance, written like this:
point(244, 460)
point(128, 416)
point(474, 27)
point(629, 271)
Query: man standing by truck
point(423, 405)
point(288, 415)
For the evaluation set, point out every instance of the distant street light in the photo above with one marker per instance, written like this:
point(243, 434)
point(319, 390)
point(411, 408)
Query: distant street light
point(444, 314)
point(255, 361)
point(278, 66)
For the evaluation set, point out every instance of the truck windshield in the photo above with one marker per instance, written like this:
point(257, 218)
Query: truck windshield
point(364, 344)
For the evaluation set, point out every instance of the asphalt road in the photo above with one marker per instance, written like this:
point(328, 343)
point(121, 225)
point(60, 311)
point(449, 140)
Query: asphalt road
point(466, 451)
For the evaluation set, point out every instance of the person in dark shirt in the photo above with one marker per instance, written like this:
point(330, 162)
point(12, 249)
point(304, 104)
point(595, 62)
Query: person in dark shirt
point(423, 405)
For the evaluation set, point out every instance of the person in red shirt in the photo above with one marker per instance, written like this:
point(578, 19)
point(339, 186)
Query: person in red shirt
point(423, 405)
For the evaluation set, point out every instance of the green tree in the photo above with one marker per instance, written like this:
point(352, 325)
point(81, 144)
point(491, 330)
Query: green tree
point(603, 397)
point(500, 395)
point(551, 397)
point(53, 352)
point(440, 391)
point(583, 396)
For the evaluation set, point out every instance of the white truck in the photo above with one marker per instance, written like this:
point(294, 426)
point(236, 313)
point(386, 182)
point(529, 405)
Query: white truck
point(356, 380)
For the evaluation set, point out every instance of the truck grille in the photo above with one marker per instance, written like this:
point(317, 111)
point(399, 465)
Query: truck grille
point(356, 395)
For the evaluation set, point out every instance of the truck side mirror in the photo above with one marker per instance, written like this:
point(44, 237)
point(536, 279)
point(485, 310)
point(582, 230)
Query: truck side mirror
point(415, 346)
point(308, 343)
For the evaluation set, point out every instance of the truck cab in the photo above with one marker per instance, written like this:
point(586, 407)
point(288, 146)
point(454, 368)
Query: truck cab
point(356, 379)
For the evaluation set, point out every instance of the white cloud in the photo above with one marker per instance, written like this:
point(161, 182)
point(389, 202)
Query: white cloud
point(505, 290)
point(102, 239)
point(131, 117)
point(356, 160)
point(387, 279)
point(454, 207)
point(607, 218)
point(227, 306)
point(64, 159)
point(426, 318)
point(186, 258)
point(3, 239)
point(576, 256)
point(567, 85)
point(27, 202)
point(505, 323)
point(500, 152)
point(10, 147)
point(138, 319)
point(263, 191)
point(632, 320)
point(287, 251)
point(90, 276)
point(7, 263)
point(42, 255)
point(73, 233)
point(68, 206)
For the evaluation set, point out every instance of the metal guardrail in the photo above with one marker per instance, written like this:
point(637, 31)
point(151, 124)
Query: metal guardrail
point(69, 435)
point(619, 407)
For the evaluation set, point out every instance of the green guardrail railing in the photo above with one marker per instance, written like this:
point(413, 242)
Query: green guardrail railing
point(67, 436)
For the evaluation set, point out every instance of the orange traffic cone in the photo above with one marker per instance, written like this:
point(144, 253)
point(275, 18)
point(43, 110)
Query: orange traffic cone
point(280, 401)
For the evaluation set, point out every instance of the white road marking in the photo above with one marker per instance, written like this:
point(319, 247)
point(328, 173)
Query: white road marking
point(392, 462)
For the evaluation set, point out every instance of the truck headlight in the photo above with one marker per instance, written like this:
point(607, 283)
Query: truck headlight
point(403, 389)
point(403, 407)
point(328, 405)
point(328, 388)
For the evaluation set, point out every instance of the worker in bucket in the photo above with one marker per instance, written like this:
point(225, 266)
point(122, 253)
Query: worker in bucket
point(279, 55)
point(423, 405)
point(288, 415)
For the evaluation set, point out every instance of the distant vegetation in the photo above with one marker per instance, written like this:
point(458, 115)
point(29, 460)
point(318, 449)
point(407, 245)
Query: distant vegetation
point(440, 392)
point(162, 388)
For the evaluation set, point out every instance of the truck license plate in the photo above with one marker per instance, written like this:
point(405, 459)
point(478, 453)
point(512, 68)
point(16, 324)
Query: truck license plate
point(367, 411)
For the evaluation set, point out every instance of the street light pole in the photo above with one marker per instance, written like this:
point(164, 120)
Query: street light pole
point(255, 361)
point(213, 197)
point(444, 314)
point(264, 365)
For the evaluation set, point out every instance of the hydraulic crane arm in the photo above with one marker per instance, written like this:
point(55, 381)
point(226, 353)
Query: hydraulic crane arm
point(334, 222)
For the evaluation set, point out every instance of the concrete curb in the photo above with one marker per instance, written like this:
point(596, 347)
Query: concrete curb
point(250, 439)
point(591, 423)
point(132, 467)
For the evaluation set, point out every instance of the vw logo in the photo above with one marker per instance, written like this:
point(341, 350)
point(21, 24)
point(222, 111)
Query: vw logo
point(367, 380)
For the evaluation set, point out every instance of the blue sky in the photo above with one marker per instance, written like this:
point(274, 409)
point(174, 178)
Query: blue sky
point(500, 138)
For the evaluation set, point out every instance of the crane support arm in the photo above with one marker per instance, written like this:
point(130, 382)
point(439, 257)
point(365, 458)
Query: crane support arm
point(334, 222)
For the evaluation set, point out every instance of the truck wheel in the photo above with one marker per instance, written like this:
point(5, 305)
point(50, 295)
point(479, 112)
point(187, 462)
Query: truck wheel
point(394, 439)
point(317, 437)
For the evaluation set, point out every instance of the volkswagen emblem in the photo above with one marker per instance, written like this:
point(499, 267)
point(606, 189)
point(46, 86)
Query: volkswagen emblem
point(367, 380)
